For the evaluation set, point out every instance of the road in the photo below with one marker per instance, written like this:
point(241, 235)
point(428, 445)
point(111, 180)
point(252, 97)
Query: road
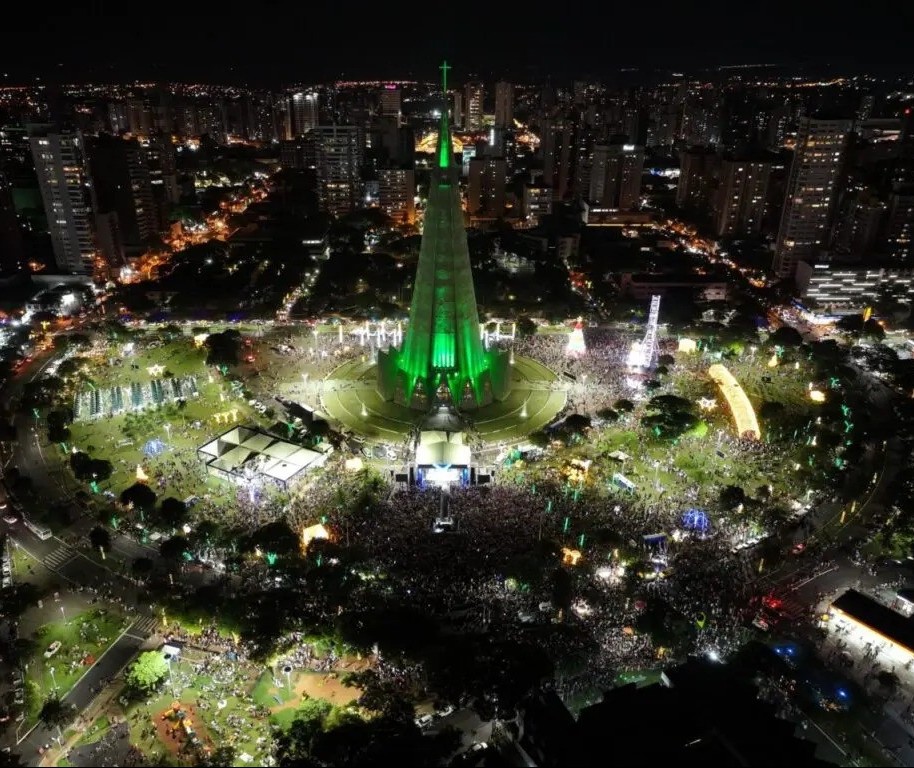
point(109, 664)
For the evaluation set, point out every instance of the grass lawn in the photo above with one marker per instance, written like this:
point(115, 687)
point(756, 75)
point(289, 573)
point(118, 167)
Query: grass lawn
point(692, 470)
point(121, 439)
point(83, 639)
point(94, 732)
point(28, 570)
point(236, 723)
point(283, 701)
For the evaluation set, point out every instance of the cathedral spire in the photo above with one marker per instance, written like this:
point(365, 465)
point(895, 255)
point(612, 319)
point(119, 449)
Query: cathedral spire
point(442, 357)
point(445, 152)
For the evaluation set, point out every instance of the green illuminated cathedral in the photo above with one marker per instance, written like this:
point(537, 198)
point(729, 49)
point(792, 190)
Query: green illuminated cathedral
point(442, 358)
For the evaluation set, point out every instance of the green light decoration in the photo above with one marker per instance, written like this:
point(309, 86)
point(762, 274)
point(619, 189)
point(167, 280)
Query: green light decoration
point(549, 506)
point(441, 347)
point(533, 489)
point(323, 519)
point(701, 620)
point(577, 494)
point(290, 428)
point(35, 413)
point(566, 524)
point(320, 559)
point(272, 557)
point(833, 382)
point(94, 486)
point(114, 521)
point(187, 556)
point(64, 447)
point(848, 427)
point(581, 540)
point(444, 148)
point(845, 411)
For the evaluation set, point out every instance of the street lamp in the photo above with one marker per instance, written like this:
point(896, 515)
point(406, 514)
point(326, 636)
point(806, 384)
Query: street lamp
point(53, 679)
point(63, 614)
point(287, 671)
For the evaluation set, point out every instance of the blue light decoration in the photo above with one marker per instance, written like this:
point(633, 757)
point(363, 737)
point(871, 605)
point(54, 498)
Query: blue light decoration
point(154, 447)
point(696, 520)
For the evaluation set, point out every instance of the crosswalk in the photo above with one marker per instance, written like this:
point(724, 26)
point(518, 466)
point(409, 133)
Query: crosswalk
point(144, 626)
point(60, 557)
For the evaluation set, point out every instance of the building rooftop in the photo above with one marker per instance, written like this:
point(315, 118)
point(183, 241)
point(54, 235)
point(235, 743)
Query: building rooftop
point(877, 617)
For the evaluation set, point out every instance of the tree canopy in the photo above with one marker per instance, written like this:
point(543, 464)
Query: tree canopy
point(147, 672)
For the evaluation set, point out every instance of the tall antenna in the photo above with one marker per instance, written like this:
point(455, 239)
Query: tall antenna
point(444, 68)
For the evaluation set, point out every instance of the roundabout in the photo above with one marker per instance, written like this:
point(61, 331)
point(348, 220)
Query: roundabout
point(535, 397)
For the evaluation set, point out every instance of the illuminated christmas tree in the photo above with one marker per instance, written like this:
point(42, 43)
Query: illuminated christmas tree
point(576, 345)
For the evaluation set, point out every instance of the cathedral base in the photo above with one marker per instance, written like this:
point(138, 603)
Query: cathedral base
point(350, 398)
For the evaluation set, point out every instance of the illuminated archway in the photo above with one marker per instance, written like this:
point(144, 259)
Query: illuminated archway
point(740, 407)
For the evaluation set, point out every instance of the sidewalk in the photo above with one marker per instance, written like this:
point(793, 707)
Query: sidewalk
point(96, 709)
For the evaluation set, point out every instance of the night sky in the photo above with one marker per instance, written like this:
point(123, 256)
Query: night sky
point(275, 44)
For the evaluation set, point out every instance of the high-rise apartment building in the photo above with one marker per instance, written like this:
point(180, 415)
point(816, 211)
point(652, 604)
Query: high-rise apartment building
point(698, 167)
point(338, 152)
point(812, 187)
point(615, 177)
point(458, 112)
point(504, 105)
point(12, 251)
point(857, 225)
point(119, 170)
point(304, 112)
point(899, 225)
point(391, 102)
point(139, 117)
point(163, 175)
point(537, 203)
point(397, 194)
point(486, 186)
point(741, 197)
point(473, 105)
point(63, 178)
point(556, 153)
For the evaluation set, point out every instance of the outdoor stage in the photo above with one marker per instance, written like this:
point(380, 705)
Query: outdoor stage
point(350, 397)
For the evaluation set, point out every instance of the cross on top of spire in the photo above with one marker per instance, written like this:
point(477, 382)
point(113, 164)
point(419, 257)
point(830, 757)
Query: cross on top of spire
point(444, 68)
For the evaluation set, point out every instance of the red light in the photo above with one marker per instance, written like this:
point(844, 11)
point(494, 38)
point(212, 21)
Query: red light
point(907, 110)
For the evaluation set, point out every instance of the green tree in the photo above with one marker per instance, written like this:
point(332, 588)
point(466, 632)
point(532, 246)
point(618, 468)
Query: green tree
point(223, 756)
point(174, 548)
point(147, 673)
point(139, 495)
point(141, 567)
point(172, 512)
point(525, 327)
point(54, 713)
point(100, 539)
point(786, 336)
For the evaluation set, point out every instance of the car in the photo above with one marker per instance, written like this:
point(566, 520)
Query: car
point(479, 746)
point(425, 721)
point(10, 519)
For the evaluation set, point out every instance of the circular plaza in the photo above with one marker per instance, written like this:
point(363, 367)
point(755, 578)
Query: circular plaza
point(350, 397)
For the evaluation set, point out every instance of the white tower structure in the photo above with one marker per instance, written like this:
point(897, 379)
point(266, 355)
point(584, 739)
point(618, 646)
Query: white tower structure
point(576, 345)
point(644, 352)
